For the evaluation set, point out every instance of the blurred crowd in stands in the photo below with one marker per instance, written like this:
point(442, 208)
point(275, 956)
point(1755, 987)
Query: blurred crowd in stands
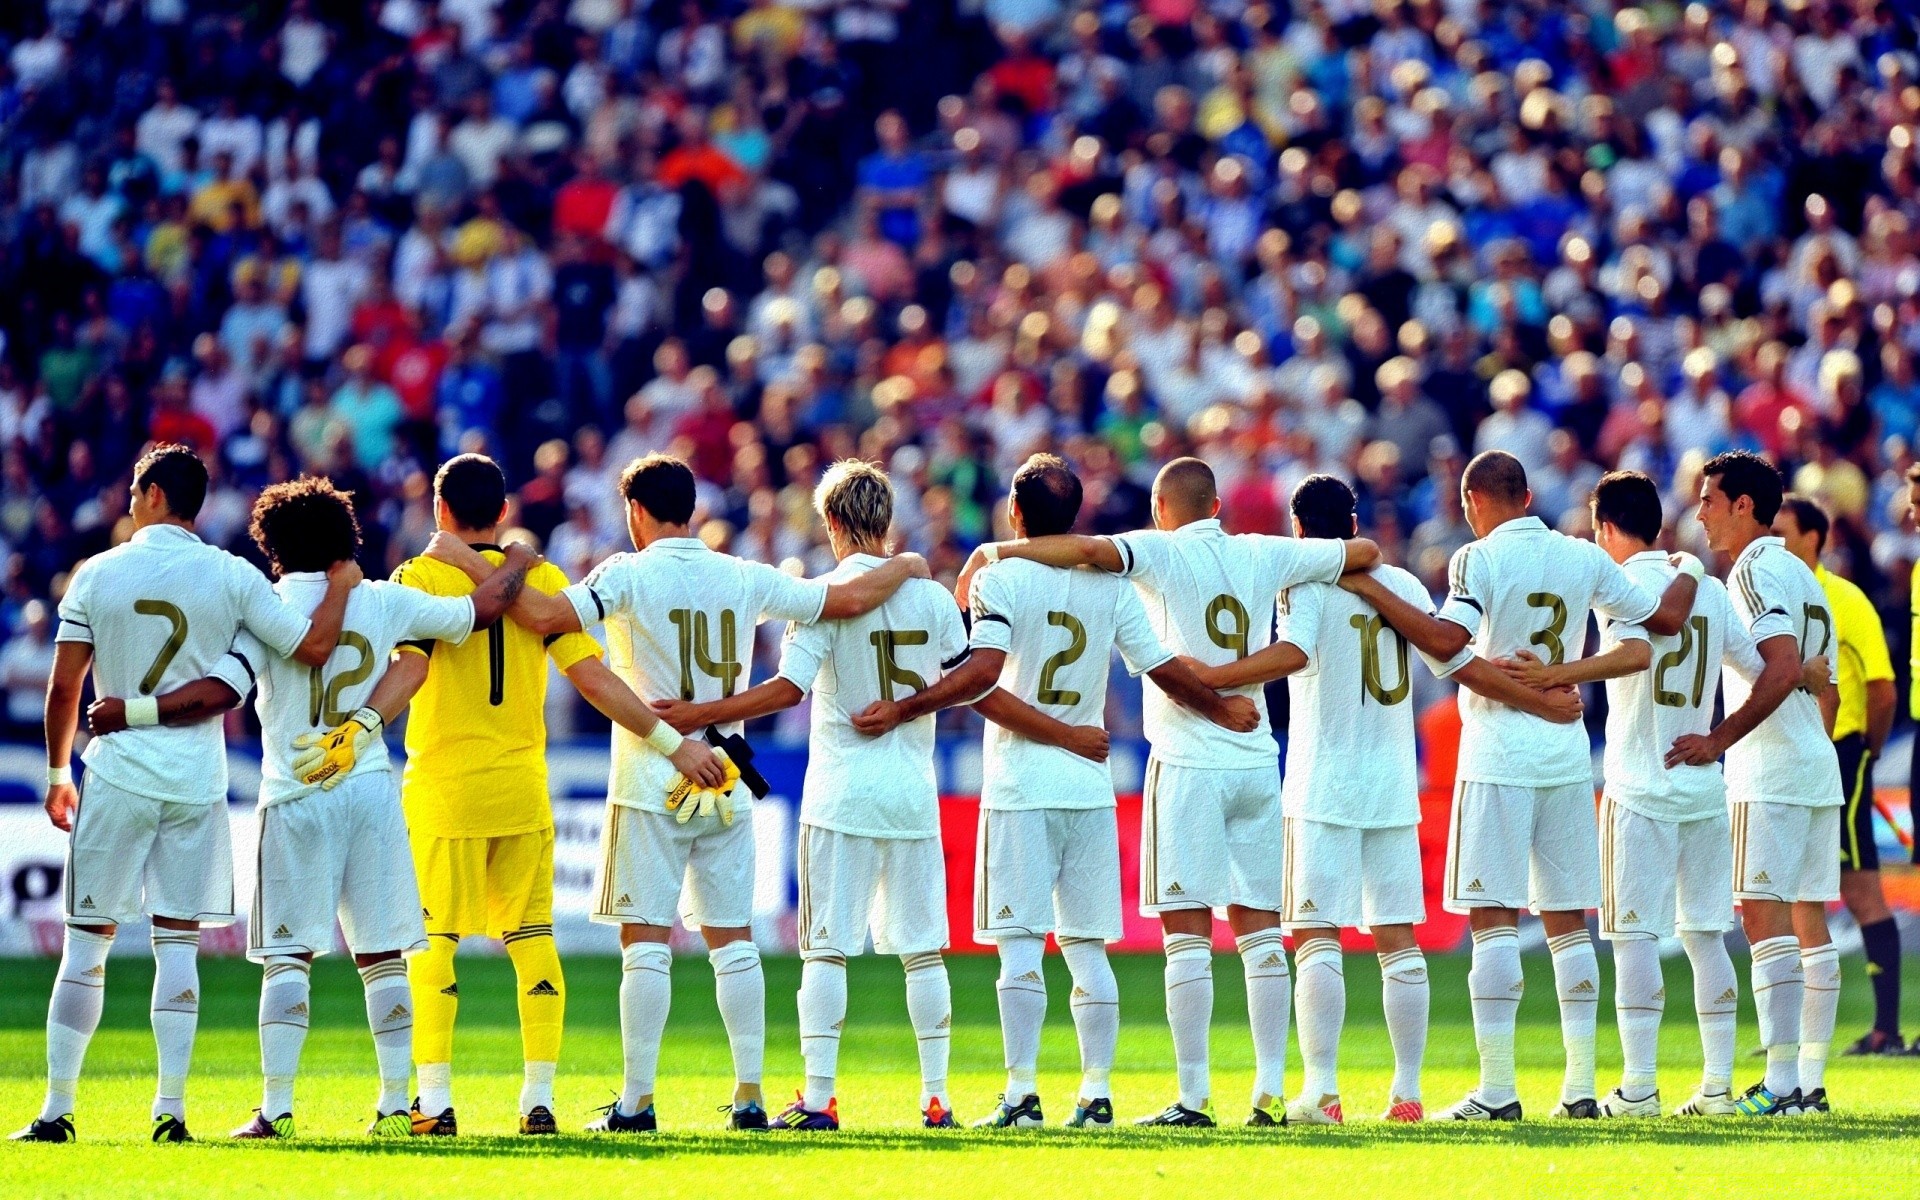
point(355, 237)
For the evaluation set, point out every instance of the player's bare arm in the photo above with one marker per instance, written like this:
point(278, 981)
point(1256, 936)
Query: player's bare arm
point(1011, 713)
point(323, 631)
point(188, 704)
point(600, 687)
point(1562, 706)
point(964, 684)
point(1676, 605)
point(1829, 699)
point(1880, 705)
point(760, 700)
point(1362, 555)
point(1628, 658)
point(495, 595)
point(1178, 681)
point(1777, 680)
point(862, 594)
point(1433, 636)
point(1262, 666)
point(1054, 550)
point(62, 718)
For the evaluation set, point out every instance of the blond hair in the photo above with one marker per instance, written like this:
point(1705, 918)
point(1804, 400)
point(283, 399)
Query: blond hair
point(856, 497)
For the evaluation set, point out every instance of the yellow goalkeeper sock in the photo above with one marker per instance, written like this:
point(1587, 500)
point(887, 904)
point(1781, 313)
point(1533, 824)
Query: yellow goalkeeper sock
point(543, 1008)
point(436, 999)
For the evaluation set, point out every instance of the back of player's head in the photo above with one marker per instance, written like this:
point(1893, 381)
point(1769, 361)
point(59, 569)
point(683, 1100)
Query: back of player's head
point(305, 525)
point(1744, 473)
point(1496, 476)
point(661, 484)
point(1808, 517)
point(178, 473)
point(473, 488)
point(1047, 492)
point(1186, 487)
point(856, 496)
point(1630, 501)
point(1323, 508)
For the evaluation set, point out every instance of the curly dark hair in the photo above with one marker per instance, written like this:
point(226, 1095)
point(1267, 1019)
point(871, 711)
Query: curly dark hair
point(305, 525)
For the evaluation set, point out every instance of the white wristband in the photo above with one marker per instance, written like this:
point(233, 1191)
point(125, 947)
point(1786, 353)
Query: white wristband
point(1690, 565)
point(664, 738)
point(143, 710)
point(990, 551)
point(59, 776)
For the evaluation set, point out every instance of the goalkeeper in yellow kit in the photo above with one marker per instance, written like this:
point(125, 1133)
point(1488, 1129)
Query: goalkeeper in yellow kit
point(475, 794)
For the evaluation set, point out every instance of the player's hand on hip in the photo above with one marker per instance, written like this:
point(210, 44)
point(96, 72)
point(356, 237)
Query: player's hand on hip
point(1562, 705)
point(1692, 750)
point(327, 758)
point(106, 715)
point(698, 763)
point(1526, 669)
point(1816, 674)
point(683, 715)
point(1088, 741)
point(62, 800)
point(882, 716)
point(1240, 714)
point(346, 572)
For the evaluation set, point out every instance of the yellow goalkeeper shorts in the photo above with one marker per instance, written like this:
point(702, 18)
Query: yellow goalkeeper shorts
point(490, 886)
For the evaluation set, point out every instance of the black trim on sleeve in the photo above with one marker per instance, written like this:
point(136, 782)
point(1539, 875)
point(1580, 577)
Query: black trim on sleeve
point(994, 617)
point(424, 647)
point(75, 624)
point(1470, 601)
point(252, 679)
point(600, 606)
point(957, 659)
point(1126, 555)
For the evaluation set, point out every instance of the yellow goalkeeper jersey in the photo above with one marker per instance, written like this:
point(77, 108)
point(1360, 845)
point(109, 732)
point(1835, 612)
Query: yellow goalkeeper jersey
point(1862, 648)
point(477, 733)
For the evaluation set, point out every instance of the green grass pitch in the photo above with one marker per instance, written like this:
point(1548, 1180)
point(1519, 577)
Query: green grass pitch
point(1869, 1147)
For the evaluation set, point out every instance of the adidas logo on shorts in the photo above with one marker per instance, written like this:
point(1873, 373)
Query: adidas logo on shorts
point(282, 932)
point(1307, 906)
point(623, 901)
point(1630, 917)
point(543, 988)
point(1174, 889)
point(1005, 913)
point(1763, 877)
point(820, 932)
point(86, 902)
point(1475, 886)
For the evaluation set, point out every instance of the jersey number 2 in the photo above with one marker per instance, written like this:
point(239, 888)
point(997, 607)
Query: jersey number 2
point(323, 695)
point(1076, 646)
point(1693, 636)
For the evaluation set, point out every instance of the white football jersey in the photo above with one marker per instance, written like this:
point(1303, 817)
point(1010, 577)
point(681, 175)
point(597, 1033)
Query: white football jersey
point(1527, 587)
point(1351, 756)
point(1058, 628)
point(160, 611)
point(1647, 710)
point(880, 787)
point(1211, 596)
point(295, 699)
point(680, 623)
point(1787, 759)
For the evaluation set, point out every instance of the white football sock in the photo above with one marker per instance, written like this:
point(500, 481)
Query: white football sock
point(436, 1087)
point(1023, 1010)
point(1639, 998)
point(1405, 996)
point(1263, 956)
point(1777, 997)
point(646, 994)
point(73, 1014)
point(1576, 979)
point(1096, 1013)
point(536, 1085)
point(286, 989)
point(1495, 985)
point(1189, 979)
point(390, 1016)
point(740, 991)
point(1820, 1002)
point(1716, 1002)
point(930, 1008)
point(823, 1012)
point(1321, 998)
point(175, 1013)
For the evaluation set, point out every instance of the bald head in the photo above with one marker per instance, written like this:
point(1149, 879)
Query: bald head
point(1184, 492)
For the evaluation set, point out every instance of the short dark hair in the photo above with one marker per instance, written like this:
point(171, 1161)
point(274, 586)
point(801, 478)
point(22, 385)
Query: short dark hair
point(1048, 494)
point(1496, 475)
point(178, 473)
point(1744, 473)
point(1808, 517)
point(1630, 500)
point(306, 524)
point(661, 484)
point(474, 490)
point(1188, 485)
point(1323, 507)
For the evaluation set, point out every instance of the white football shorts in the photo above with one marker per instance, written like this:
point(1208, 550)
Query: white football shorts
point(1047, 870)
point(1522, 847)
point(1210, 838)
point(892, 888)
point(654, 870)
point(1785, 852)
point(340, 854)
point(131, 856)
point(1339, 877)
point(1659, 878)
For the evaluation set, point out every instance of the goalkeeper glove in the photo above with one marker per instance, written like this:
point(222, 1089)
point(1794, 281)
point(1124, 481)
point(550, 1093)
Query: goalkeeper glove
point(327, 758)
point(686, 800)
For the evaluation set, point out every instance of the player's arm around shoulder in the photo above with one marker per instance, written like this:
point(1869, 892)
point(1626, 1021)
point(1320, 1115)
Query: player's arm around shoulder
point(868, 590)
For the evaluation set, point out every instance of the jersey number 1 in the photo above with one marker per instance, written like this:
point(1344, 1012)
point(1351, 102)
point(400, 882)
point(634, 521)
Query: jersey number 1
point(324, 709)
point(1693, 636)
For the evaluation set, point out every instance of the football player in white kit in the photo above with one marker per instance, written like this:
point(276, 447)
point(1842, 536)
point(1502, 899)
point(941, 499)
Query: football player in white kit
point(1048, 855)
point(149, 836)
point(680, 621)
point(1211, 826)
point(1523, 832)
point(870, 858)
point(1352, 801)
point(1783, 784)
point(1666, 859)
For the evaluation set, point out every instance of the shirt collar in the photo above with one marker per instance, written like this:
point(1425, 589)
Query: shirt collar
point(1207, 528)
point(1526, 524)
point(1757, 545)
point(163, 532)
point(1648, 556)
point(677, 543)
